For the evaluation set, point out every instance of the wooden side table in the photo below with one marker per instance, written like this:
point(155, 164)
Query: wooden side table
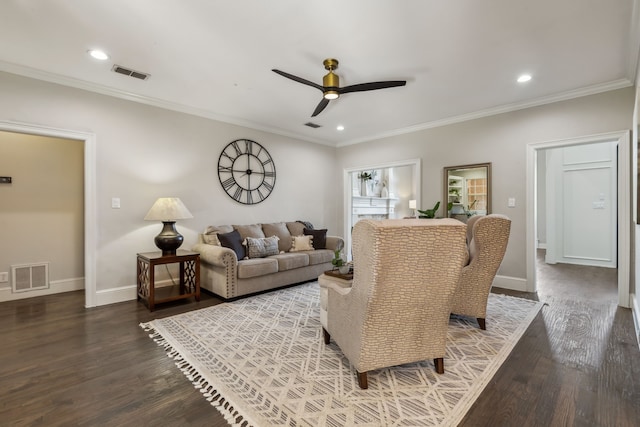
point(189, 285)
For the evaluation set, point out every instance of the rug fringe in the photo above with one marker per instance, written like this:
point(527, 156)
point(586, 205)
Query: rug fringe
point(211, 394)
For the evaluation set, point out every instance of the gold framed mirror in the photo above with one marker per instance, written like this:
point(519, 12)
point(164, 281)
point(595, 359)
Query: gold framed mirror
point(467, 190)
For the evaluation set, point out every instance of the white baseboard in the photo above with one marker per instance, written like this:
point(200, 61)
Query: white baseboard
point(55, 287)
point(115, 295)
point(124, 293)
point(512, 283)
point(635, 310)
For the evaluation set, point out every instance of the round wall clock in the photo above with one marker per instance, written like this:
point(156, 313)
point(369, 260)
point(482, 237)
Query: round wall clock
point(246, 171)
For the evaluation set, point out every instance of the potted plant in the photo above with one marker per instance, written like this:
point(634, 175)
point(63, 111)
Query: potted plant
point(429, 213)
point(339, 262)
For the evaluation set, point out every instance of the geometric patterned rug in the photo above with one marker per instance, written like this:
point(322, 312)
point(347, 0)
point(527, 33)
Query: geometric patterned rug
point(261, 361)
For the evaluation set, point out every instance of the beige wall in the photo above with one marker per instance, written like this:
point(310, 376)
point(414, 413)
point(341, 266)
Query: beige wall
point(501, 140)
point(41, 211)
point(145, 152)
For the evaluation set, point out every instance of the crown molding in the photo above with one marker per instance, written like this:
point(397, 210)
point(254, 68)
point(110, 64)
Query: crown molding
point(576, 93)
point(155, 102)
point(33, 73)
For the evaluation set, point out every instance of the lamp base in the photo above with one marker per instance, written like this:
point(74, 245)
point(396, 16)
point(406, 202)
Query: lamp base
point(169, 239)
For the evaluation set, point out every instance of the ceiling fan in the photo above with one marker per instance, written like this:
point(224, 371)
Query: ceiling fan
point(331, 85)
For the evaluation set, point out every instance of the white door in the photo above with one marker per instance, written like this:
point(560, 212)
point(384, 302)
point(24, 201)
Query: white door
point(581, 205)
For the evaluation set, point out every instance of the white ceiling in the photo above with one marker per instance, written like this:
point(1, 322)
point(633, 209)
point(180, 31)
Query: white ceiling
point(214, 58)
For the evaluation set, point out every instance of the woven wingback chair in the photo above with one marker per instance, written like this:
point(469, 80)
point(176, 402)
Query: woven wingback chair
point(397, 308)
point(487, 237)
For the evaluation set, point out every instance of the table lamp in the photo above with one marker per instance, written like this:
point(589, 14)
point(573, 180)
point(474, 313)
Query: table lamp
point(168, 210)
point(413, 205)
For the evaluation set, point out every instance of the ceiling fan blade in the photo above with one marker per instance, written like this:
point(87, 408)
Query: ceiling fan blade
point(321, 106)
point(299, 79)
point(372, 86)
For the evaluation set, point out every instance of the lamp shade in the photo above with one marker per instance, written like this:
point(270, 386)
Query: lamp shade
point(412, 204)
point(168, 209)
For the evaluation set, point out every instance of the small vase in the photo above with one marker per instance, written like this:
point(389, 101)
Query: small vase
point(363, 188)
point(343, 269)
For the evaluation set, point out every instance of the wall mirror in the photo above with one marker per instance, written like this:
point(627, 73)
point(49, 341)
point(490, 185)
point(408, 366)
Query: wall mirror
point(467, 190)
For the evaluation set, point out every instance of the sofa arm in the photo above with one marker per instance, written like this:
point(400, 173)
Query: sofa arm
point(334, 243)
point(216, 255)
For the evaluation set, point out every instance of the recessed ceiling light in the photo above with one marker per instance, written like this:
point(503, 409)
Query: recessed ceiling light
point(524, 78)
point(340, 127)
point(98, 54)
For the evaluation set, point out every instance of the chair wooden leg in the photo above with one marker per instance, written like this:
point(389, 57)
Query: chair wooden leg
point(362, 380)
point(439, 362)
point(482, 323)
point(327, 337)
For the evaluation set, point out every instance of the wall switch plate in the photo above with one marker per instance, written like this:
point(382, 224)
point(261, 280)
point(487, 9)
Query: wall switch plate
point(4, 277)
point(511, 202)
point(115, 203)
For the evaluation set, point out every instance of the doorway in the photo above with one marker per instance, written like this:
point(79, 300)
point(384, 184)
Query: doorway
point(90, 226)
point(623, 212)
point(380, 191)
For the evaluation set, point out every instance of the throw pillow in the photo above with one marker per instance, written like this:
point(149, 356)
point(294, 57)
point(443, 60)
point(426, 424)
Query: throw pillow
point(295, 228)
point(301, 243)
point(210, 235)
point(211, 239)
point(233, 241)
point(260, 248)
point(251, 230)
point(279, 229)
point(319, 237)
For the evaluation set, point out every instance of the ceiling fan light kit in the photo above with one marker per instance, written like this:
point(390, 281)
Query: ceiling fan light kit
point(331, 84)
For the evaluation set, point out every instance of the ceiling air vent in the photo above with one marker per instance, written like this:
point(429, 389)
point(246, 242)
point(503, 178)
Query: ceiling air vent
point(131, 73)
point(312, 125)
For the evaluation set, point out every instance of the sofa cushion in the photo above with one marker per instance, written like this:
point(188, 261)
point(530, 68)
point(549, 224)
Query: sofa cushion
point(279, 229)
point(320, 256)
point(256, 267)
point(251, 230)
point(260, 248)
point(233, 241)
point(290, 260)
point(296, 228)
point(319, 237)
point(301, 243)
point(210, 235)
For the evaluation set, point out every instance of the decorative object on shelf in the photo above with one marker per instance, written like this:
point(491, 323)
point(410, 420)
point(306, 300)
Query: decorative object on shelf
point(366, 179)
point(429, 213)
point(413, 205)
point(168, 210)
point(385, 191)
point(246, 171)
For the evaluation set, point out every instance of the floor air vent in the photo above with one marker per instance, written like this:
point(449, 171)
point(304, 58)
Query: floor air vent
point(312, 125)
point(30, 277)
point(129, 72)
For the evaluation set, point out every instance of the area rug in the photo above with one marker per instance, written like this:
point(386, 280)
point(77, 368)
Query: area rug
point(261, 361)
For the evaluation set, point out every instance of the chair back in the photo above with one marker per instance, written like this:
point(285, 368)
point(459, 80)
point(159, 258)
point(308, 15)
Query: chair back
point(405, 275)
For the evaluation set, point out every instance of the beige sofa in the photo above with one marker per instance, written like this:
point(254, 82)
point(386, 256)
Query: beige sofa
point(298, 253)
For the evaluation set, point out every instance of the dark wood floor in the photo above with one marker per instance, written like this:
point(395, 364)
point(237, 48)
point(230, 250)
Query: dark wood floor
point(62, 365)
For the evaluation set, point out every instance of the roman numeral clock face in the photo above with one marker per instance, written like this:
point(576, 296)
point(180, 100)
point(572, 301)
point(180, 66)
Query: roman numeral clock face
point(246, 171)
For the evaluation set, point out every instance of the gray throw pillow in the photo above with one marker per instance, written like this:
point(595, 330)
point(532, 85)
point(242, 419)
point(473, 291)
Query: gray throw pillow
point(260, 248)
